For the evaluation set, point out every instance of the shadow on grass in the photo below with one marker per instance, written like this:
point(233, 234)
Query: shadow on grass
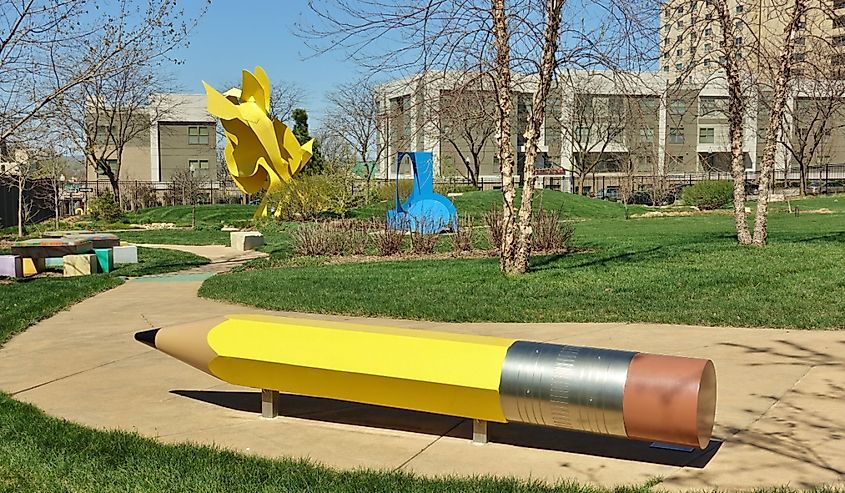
point(635, 256)
point(521, 435)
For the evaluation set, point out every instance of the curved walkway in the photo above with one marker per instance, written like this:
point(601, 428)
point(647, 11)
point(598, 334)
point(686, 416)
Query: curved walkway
point(780, 410)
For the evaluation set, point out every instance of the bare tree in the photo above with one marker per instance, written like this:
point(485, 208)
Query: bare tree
point(355, 117)
point(464, 116)
point(816, 113)
point(594, 126)
point(795, 15)
point(50, 47)
point(285, 96)
point(104, 115)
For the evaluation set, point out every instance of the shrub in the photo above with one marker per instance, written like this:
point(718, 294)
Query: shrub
point(309, 197)
point(331, 238)
point(422, 241)
point(387, 190)
point(104, 207)
point(311, 239)
point(493, 219)
point(550, 233)
point(710, 194)
point(357, 234)
point(387, 240)
point(462, 239)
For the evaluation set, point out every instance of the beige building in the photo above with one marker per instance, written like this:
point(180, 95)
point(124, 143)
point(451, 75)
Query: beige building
point(691, 39)
point(603, 130)
point(178, 135)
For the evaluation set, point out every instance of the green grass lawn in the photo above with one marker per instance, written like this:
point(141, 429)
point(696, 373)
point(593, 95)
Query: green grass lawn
point(476, 205)
point(210, 214)
point(44, 454)
point(669, 270)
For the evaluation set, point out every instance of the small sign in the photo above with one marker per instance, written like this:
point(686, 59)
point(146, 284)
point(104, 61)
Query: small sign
point(86, 189)
point(550, 171)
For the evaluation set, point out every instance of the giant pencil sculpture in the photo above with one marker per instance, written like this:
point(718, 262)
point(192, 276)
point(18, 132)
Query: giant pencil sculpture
point(635, 395)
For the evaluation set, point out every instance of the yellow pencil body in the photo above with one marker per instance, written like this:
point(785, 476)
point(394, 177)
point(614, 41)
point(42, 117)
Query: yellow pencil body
point(442, 373)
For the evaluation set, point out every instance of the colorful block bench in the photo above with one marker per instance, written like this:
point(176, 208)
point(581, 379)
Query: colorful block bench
point(127, 254)
point(41, 248)
point(105, 259)
point(59, 234)
point(99, 240)
point(81, 265)
point(11, 266)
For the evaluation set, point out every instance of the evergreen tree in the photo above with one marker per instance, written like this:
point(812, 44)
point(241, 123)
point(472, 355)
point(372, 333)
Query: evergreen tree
point(300, 131)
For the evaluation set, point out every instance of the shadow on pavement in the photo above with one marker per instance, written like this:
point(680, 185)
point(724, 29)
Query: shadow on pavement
point(349, 413)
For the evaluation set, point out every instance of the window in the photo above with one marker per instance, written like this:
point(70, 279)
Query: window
point(711, 106)
point(110, 164)
point(800, 40)
point(707, 47)
point(706, 62)
point(666, 68)
point(798, 57)
point(739, 9)
point(738, 25)
point(680, 24)
point(679, 10)
point(666, 55)
point(838, 4)
point(668, 27)
point(649, 105)
point(708, 32)
point(583, 135)
point(678, 107)
point(739, 55)
point(195, 164)
point(616, 135)
point(839, 41)
point(197, 135)
point(839, 21)
point(706, 135)
point(679, 66)
point(680, 39)
point(646, 135)
point(708, 16)
point(738, 40)
point(679, 51)
point(676, 135)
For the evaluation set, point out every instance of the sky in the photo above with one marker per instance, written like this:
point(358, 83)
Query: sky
point(240, 34)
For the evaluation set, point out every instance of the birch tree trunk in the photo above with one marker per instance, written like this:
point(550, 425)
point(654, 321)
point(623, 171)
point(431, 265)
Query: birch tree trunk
point(775, 117)
point(736, 119)
point(535, 122)
point(503, 133)
point(21, 203)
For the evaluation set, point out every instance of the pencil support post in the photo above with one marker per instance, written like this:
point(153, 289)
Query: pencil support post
point(479, 431)
point(271, 401)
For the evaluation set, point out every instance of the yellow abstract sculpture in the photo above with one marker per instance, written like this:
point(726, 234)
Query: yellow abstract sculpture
point(261, 151)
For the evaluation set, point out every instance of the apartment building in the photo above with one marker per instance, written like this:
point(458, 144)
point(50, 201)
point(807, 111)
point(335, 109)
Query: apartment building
point(177, 135)
point(692, 39)
point(602, 128)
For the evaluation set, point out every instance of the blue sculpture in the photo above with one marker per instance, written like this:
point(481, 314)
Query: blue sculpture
point(425, 210)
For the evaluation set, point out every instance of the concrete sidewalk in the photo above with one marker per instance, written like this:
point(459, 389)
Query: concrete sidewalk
point(780, 404)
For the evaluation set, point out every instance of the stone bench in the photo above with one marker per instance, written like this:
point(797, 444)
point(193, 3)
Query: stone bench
point(41, 248)
point(246, 240)
point(99, 240)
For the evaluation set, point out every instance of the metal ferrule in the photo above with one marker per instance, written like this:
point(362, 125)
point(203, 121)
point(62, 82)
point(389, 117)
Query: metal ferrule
point(572, 387)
